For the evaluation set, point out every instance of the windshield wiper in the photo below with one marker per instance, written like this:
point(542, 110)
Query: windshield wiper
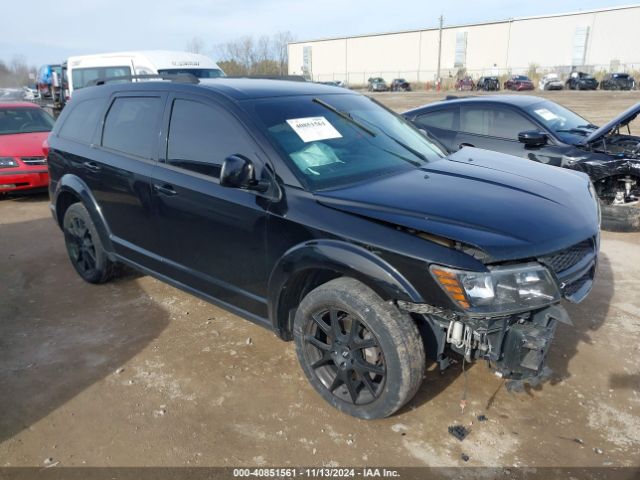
point(343, 115)
point(407, 147)
point(573, 130)
point(402, 144)
point(395, 154)
point(588, 125)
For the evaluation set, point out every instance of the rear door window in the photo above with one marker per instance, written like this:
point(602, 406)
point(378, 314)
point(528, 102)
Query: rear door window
point(493, 121)
point(132, 125)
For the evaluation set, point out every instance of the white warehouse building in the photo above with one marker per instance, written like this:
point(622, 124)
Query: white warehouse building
point(594, 40)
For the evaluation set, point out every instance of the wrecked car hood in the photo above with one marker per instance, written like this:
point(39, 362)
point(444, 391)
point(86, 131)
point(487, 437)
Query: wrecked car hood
point(618, 122)
point(509, 207)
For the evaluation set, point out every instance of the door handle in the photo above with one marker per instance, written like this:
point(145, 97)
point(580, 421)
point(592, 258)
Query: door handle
point(93, 166)
point(165, 190)
point(463, 144)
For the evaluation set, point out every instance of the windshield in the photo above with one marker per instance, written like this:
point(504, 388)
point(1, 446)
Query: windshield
point(568, 126)
point(196, 72)
point(24, 120)
point(334, 140)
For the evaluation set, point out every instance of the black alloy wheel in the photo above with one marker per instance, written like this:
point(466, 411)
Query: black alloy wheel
point(345, 355)
point(82, 250)
point(84, 246)
point(360, 353)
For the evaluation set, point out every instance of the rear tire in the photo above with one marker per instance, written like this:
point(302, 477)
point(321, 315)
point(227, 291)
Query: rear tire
point(361, 354)
point(84, 246)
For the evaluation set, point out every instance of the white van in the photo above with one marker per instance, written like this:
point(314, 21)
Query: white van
point(81, 70)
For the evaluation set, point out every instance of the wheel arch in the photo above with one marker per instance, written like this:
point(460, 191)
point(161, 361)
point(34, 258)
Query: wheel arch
point(313, 263)
point(72, 189)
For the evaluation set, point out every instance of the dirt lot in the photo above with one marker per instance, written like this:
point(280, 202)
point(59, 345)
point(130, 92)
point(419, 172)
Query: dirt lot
point(138, 373)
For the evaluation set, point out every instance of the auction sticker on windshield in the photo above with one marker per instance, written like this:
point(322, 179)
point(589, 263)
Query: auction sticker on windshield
point(311, 129)
point(546, 114)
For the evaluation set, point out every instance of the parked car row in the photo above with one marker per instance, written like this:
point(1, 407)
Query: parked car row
point(550, 81)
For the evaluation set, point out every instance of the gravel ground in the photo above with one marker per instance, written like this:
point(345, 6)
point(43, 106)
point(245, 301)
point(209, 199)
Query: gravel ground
point(135, 372)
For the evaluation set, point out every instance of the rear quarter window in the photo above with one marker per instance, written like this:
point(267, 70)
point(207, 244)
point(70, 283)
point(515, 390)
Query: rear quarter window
point(131, 125)
point(81, 122)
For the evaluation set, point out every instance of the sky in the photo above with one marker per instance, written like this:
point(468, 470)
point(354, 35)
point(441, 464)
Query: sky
point(48, 32)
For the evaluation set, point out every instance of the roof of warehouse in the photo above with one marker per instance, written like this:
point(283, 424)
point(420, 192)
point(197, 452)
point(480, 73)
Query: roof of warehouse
point(490, 22)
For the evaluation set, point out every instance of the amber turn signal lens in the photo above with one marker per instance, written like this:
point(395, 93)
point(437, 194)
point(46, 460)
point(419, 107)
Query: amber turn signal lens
point(450, 283)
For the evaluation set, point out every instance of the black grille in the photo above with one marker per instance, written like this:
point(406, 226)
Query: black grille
point(34, 160)
point(567, 258)
point(573, 287)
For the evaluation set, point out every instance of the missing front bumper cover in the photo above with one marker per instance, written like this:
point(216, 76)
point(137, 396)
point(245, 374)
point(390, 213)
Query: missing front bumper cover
point(515, 346)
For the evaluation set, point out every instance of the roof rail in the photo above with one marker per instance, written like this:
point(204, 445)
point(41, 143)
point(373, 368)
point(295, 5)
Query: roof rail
point(178, 78)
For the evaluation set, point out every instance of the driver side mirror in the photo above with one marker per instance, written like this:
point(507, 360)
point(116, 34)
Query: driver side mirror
point(239, 172)
point(533, 138)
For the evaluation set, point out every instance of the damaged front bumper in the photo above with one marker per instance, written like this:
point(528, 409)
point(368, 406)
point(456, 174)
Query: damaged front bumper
point(514, 346)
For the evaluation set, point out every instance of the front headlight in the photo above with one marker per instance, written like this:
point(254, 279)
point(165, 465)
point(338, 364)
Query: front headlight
point(6, 162)
point(501, 290)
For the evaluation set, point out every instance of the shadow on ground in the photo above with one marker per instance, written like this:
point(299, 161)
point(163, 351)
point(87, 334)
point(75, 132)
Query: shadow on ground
point(38, 195)
point(587, 317)
point(58, 334)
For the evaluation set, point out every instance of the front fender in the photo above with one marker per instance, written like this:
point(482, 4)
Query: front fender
point(74, 185)
point(337, 256)
point(598, 169)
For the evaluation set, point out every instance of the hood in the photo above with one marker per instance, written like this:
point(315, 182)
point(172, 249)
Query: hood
point(511, 208)
point(22, 144)
point(618, 122)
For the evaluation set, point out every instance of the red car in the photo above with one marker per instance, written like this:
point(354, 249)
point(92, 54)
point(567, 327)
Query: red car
point(23, 129)
point(518, 82)
point(465, 84)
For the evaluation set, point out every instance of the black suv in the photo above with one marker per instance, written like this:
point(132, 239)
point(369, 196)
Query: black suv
point(318, 213)
point(618, 81)
point(581, 81)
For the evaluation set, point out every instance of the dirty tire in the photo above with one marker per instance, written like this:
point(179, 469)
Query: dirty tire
point(620, 218)
point(84, 247)
point(399, 349)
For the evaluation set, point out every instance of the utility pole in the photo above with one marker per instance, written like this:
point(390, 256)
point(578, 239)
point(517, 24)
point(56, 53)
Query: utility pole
point(439, 50)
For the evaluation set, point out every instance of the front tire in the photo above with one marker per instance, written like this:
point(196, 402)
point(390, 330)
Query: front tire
point(361, 354)
point(84, 246)
point(620, 218)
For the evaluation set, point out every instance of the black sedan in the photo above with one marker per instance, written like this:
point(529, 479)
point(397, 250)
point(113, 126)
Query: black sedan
point(400, 85)
point(541, 130)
